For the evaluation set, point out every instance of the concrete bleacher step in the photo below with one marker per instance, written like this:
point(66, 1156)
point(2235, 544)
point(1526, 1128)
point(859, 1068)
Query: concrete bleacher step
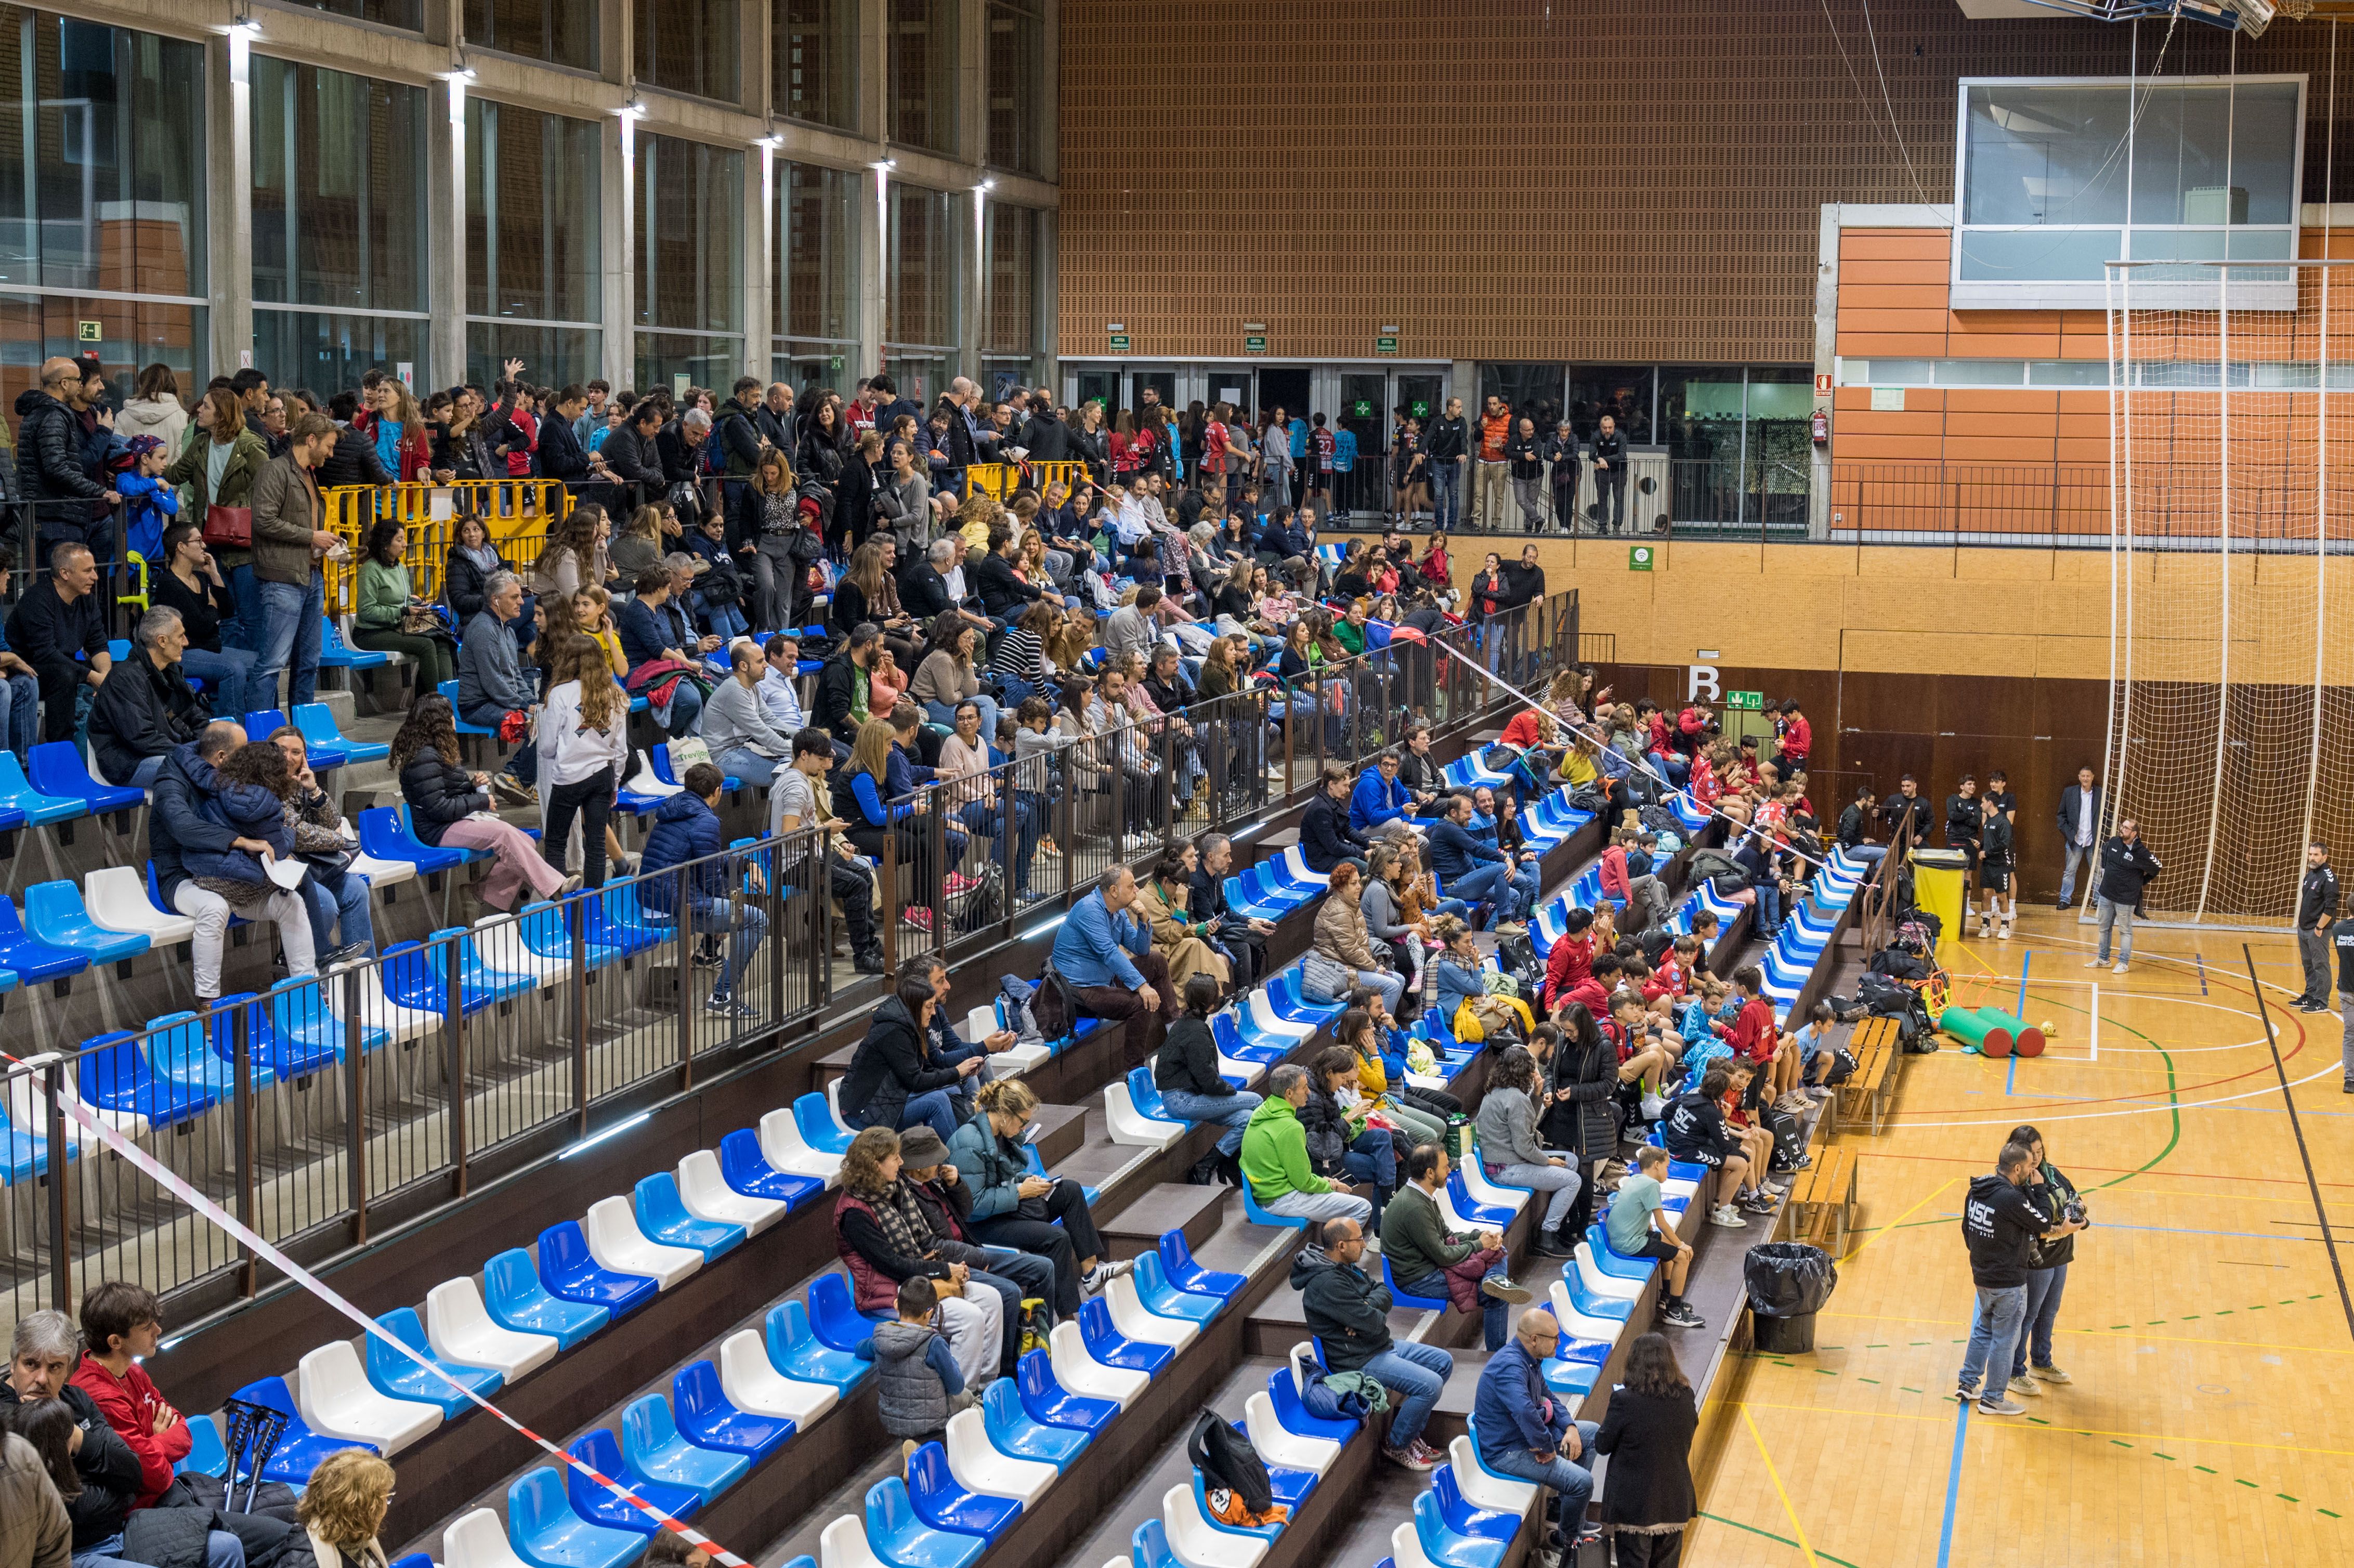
point(1163, 1207)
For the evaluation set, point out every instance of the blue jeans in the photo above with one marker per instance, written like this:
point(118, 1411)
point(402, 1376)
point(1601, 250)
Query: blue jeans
point(1488, 883)
point(989, 821)
point(748, 925)
point(1561, 1181)
point(1569, 1477)
point(725, 621)
point(1230, 1111)
point(1389, 982)
point(1414, 1374)
point(290, 634)
point(686, 708)
point(244, 633)
point(1445, 494)
point(144, 776)
point(20, 712)
point(932, 1108)
point(336, 895)
point(1373, 1157)
point(1525, 887)
point(945, 713)
point(225, 675)
point(2044, 1287)
point(2073, 855)
point(222, 1549)
point(742, 763)
point(1994, 1335)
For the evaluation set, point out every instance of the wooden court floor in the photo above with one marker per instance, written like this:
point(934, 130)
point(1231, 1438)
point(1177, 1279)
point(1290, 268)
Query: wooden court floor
point(2212, 1417)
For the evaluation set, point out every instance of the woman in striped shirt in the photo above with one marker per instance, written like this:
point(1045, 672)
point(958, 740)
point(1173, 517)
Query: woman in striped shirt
point(1021, 665)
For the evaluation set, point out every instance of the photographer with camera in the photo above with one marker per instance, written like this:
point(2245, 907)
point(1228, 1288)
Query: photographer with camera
point(1999, 1224)
point(2049, 1189)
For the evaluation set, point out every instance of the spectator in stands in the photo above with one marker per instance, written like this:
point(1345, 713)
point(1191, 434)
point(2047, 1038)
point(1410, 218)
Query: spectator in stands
point(36, 1476)
point(1326, 840)
point(1240, 939)
point(217, 467)
point(186, 579)
point(1345, 945)
point(794, 805)
point(1697, 1134)
point(1105, 955)
point(467, 569)
point(890, 1083)
point(52, 473)
point(147, 710)
point(1647, 1430)
point(493, 688)
point(926, 591)
point(885, 1237)
point(1014, 1206)
point(1132, 628)
point(2128, 868)
point(191, 835)
point(1348, 1311)
point(2000, 1225)
point(1638, 1227)
point(56, 620)
point(1342, 1144)
point(1186, 1075)
point(1430, 1260)
point(117, 1476)
point(389, 602)
point(919, 1384)
point(780, 684)
point(947, 1202)
point(883, 815)
point(1496, 824)
point(342, 1508)
point(736, 727)
point(648, 638)
point(575, 556)
point(335, 895)
point(290, 537)
point(1379, 802)
point(584, 749)
point(1274, 1158)
point(1509, 1145)
point(709, 896)
point(448, 805)
point(949, 672)
point(1525, 1430)
point(1471, 870)
point(844, 686)
point(1163, 902)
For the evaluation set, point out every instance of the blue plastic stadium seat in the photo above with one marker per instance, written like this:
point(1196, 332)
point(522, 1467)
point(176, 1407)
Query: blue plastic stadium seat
point(299, 1449)
point(32, 959)
point(1295, 1417)
point(57, 770)
point(1177, 1262)
point(546, 1532)
point(1463, 1517)
point(55, 909)
point(384, 835)
point(1049, 1404)
point(813, 1114)
point(798, 1353)
point(308, 1033)
point(262, 721)
point(1445, 1547)
point(1257, 1216)
point(662, 1214)
point(943, 1504)
point(747, 1170)
point(617, 921)
point(1010, 1430)
point(25, 1151)
point(516, 1299)
point(567, 1269)
point(179, 1048)
point(205, 1455)
point(833, 1318)
point(1107, 1345)
point(1163, 1299)
point(903, 1541)
point(115, 1077)
point(475, 977)
point(397, 1377)
point(601, 1450)
point(709, 1421)
point(458, 719)
point(1613, 1263)
point(655, 1448)
point(317, 722)
point(39, 808)
point(334, 654)
point(547, 933)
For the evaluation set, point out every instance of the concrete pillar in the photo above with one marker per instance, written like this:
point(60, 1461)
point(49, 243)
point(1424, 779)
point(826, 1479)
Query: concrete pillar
point(228, 246)
point(874, 119)
point(445, 238)
point(618, 135)
point(754, 18)
point(972, 147)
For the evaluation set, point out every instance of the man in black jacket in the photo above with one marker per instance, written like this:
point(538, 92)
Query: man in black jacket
point(629, 459)
point(561, 454)
point(1240, 939)
point(1348, 1311)
point(1609, 476)
point(924, 584)
point(147, 709)
point(774, 418)
point(1905, 815)
point(353, 459)
point(57, 619)
point(51, 474)
point(1046, 437)
point(1444, 447)
point(2128, 868)
point(841, 684)
point(2317, 912)
point(1325, 839)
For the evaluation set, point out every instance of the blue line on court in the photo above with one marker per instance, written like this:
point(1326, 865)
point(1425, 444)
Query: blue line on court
point(2011, 1074)
point(1954, 1483)
point(2026, 958)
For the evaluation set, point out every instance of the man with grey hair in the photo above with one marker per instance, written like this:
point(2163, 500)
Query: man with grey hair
point(491, 684)
point(1104, 954)
point(180, 820)
point(58, 627)
point(148, 707)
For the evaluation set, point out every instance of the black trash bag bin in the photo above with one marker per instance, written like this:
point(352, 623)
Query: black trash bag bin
point(1788, 1282)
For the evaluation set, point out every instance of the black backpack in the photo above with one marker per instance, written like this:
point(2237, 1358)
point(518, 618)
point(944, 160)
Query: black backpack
point(1227, 1459)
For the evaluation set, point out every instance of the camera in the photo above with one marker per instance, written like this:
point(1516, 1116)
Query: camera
point(2074, 1212)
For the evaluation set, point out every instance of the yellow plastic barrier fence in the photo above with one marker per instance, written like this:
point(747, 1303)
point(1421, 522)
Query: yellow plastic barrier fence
point(515, 513)
point(1003, 479)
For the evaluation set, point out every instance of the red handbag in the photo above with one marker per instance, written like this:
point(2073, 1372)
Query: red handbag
point(230, 525)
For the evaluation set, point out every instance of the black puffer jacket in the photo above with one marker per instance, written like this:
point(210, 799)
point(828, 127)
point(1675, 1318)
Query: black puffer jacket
point(888, 1068)
point(108, 1471)
point(438, 793)
point(48, 454)
point(354, 461)
point(1585, 1122)
point(1327, 1127)
point(464, 582)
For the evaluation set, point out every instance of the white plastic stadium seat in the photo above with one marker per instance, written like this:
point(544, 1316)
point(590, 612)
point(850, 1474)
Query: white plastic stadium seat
point(783, 1145)
point(1482, 1490)
point(1195, 1540)
point(1137, 1322)
point(1132, 1127)
point(978, 1467)
point(1576, 1324)
point(1295, 866)
point(1474, 1180)
point(499, 940)
point(617, 1243)
point(707, 1196)
point(1280, 1446)
point(1405, 1548)
point(463, 1333)
point(643, 782)
point(1267, 1022)
point(844, 1546)
point(1081, 1373)
point(479, 1540)
point(753, 1384)
point(116, 897)
point(1598, 1283)
point(382, 873)
point(336, 1399)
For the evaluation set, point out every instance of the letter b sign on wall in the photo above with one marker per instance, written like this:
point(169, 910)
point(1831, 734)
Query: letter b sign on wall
point(1700, 683)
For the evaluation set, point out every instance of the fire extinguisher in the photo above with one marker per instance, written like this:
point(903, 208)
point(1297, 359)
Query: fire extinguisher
point(1822, 425)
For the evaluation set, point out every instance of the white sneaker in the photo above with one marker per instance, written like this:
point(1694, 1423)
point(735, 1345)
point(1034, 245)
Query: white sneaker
point(1728, 1217)
point(2120, 968)
point(2092, 963)
point(2003, 935)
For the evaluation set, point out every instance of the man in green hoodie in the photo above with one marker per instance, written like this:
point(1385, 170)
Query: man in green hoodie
point(1275, 1157)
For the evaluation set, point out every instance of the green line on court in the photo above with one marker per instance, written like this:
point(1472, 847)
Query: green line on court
point(1784, 1540)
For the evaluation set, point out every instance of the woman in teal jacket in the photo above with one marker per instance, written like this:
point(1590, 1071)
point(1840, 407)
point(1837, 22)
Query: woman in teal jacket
point(1013, 1206)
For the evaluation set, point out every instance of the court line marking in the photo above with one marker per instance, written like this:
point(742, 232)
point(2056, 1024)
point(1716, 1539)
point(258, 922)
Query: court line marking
point(1769, 1535)
point(1953, 1480)
point(2096, 1020)
point(1789, 1509)
point(1854, 1251)
point(2320, 1208)
point(1842, 1411)
point(2112, 1334)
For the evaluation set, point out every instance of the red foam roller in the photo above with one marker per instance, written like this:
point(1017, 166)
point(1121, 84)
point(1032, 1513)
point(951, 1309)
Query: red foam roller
point(2030, 1042)
point(1998, 1042)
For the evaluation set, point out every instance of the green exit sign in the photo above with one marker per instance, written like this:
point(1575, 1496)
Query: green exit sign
point(1420, 408)
point(1119, 343)
point(1254, 342)
point(1638, 558)
point(1384, 346)
point(1744, 699)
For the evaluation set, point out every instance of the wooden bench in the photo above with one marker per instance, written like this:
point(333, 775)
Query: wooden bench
point(1873, 1083)
point(1822, 1200)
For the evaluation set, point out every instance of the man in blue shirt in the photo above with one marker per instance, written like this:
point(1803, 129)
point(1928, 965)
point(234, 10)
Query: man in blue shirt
point(1105, 955)
point(1468, 869)
point(1484, 818)
point(1377, 806)
point(1525, 1430)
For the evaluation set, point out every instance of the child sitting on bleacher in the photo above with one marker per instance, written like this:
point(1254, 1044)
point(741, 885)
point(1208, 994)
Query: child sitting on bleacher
point(1812, 1043)
point(919, 1383)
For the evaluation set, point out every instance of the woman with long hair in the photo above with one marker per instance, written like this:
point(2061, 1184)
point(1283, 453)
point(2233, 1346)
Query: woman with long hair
point(342, 1508)
point(155, 408)
point(880, 818)
point(386, 594)
point(574, 557)
point(395, 426)
point(884, 1233)
point(1046, 1216)
point(769, 519)
point(467, 569)
point(584, 749)
point(641, 542)
point(218, 468)
point(823, 452)
point(189, 580)
point(449, 806)
point(1647, 1430)
point(867, 592)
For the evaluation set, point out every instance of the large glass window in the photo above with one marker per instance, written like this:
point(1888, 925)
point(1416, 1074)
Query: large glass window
point(339, 193)
point(532, 238)
point(923, 69)
point(1018, 98)
point(408, 14)
point(2060, 177)
point(1530, 389)
point(816, 294)
point(921, 321)
point(813, 70)
point(1739, 447)
point(1009, 293)
point(688, 238)
point(690, 47)
point(102, 158)
point(132, 335)
point(563, 32)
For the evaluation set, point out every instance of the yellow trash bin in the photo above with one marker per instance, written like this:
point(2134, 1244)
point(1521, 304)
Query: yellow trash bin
point(1937, 886)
